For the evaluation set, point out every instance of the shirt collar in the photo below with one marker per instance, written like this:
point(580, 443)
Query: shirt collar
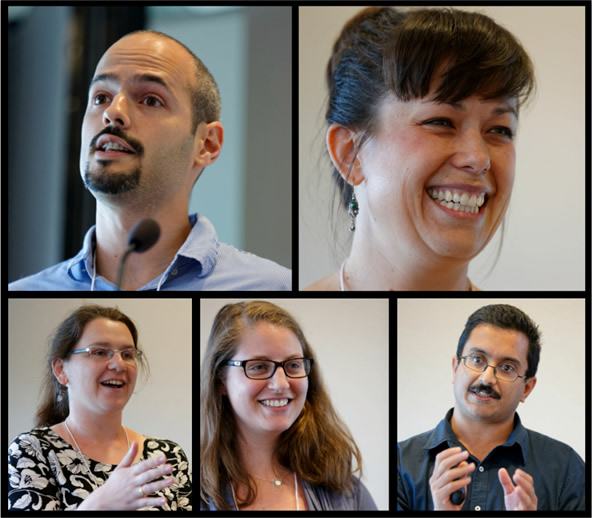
point(201, 246)
point(443, 436)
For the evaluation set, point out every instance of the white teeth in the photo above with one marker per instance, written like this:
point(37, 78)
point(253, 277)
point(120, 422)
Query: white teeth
point(113, 146)
point(117, 383)
point(460, 202)
point(275, 402)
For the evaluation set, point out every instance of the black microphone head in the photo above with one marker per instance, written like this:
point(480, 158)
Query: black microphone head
point(143, 235)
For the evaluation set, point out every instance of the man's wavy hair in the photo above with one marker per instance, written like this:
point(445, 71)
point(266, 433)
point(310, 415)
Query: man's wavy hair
point(318, 446)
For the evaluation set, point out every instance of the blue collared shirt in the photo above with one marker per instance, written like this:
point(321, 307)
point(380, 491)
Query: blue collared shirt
point(558, 471)
point(202, 263)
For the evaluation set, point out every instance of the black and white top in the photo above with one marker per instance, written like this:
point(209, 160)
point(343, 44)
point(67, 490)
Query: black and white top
point(46, 473)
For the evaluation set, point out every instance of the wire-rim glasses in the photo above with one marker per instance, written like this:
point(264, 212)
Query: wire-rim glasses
point(264, 369)
point(503, 371)
point(99, 353)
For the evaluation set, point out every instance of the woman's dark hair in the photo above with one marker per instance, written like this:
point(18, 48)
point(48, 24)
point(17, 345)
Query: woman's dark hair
point(384, 50)
point(54, 396)
point(505, 316)
point(318, 446)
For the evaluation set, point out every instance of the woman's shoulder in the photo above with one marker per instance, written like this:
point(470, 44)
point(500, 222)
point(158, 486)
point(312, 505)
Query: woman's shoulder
point(39, 438)
point(157, 445)
point(329, 283)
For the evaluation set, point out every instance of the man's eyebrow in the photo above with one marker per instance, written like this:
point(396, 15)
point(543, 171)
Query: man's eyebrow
point(138, 78)
point(505, 359)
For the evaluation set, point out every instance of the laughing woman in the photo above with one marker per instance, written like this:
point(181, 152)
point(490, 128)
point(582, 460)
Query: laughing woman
point(269, 436)
point(80, 456)
point(422, 112)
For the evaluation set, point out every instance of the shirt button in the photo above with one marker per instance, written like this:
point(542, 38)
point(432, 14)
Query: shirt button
point(477, 508)
point(481, 469)
point(174, 272)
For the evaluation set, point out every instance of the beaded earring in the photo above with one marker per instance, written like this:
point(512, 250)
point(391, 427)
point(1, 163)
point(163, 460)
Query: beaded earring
point(353, 211)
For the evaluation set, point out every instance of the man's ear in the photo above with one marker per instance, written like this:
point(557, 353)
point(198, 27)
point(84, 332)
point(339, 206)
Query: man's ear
point(528, 388)
point(209, 139)
point(341, 144)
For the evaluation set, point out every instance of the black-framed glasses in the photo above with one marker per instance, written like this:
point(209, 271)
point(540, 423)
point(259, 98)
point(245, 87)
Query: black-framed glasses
point(265, 369)
point(104, 354)
point(503, 371)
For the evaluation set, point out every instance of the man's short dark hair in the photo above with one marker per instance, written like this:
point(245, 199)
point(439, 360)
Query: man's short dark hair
point(505, 316)
point(205, 96)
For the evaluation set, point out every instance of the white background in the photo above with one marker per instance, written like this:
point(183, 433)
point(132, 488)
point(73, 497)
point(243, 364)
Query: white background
point(428, 333)
point(544, 238)
point(351, 341)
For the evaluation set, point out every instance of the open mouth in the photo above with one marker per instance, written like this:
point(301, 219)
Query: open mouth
point(113, 384)
point(484, 394)
point(458, 201)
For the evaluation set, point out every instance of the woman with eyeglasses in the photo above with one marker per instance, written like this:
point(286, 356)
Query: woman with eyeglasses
point(269, 437)
point(80, 456)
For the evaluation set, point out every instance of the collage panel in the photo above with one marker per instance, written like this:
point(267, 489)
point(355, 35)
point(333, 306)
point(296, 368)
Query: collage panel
point(492, 404)
point(294, 397)
point(161, 116)
point(425, 161)
point(99, 404)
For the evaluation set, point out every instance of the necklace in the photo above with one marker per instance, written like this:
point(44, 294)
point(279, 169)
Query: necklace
point(81, 455)
point(275, 480)
point(342, 278)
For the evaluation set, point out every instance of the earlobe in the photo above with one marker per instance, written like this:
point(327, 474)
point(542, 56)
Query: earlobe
point(57, 366)
point(341, 144)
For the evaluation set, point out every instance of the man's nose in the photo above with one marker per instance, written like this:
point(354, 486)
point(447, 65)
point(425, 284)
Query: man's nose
point(117, 112)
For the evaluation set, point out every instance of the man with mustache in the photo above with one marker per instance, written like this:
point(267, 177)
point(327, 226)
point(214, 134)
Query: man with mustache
point(480, 456)
point(151, 127)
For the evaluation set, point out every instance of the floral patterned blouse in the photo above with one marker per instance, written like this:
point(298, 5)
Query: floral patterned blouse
point(46, 473)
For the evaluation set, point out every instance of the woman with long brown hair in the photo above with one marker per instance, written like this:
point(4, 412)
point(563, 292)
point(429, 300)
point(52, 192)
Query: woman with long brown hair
point(80, 456)
point(269, 436)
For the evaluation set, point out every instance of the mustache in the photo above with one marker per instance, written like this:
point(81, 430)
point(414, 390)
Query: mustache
point(487, 390)
point(116, 131)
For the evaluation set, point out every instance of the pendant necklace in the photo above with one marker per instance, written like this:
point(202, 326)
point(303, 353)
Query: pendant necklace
point(81, 455)
point(276, 482)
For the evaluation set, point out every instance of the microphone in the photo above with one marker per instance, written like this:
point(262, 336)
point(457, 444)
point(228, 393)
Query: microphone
point(142, 236)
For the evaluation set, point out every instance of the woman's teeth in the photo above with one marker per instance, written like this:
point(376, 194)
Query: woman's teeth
point(462, 202)
point(275, 402)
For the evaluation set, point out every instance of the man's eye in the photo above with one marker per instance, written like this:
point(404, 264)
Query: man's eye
point(100, 99)
point(476, 360)
point(151, 101)
point(506, 368)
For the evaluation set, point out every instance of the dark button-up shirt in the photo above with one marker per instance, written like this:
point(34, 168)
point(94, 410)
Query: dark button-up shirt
point(558, 471)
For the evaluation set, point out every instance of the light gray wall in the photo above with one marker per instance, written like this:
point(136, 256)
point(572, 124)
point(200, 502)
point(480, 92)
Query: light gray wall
point(427, 336)
point(351, 341)
point(160, 407)
point(545, 235)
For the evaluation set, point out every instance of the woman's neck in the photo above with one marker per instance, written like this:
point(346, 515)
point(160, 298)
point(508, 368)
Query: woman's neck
point(95, 428)
point(370, 268)
point(259, 459)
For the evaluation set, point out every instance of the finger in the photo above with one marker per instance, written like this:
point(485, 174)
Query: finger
point(446, 462)
point(129, 457)
point(151, 502)
point(526, 483)
point(154, 473)
point(505, 481)
point(150, 463)
point(159, 485)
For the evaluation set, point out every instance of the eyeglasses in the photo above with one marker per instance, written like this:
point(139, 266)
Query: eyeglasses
point(504, 371)
point(104, 354)
point(265, 369)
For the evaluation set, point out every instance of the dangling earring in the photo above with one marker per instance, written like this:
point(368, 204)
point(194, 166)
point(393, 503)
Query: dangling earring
point(353, 211)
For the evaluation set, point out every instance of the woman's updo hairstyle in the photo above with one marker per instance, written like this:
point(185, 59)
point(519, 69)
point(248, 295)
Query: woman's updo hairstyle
point(384, 50)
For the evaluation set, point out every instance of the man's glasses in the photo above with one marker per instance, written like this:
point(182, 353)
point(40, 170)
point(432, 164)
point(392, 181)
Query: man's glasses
point(265, 369)
point(104, 354)
point(503, 371)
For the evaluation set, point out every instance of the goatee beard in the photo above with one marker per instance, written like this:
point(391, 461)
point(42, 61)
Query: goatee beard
point(111, 183)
